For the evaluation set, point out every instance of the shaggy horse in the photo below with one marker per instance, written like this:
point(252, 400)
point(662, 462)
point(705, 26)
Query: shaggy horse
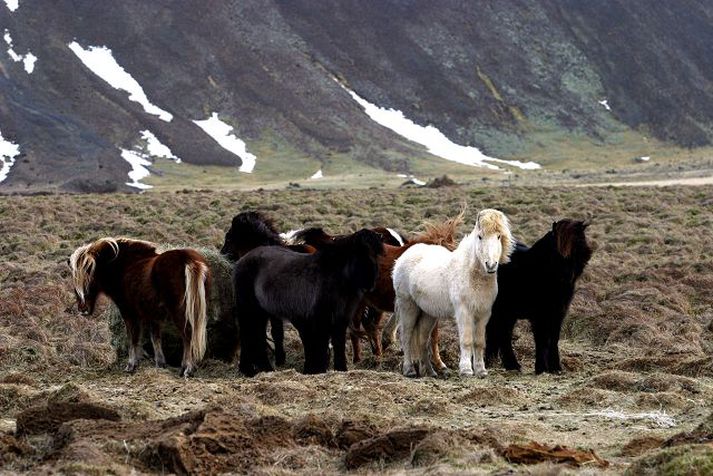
point(380, 300)
point(538, 285)
point(434, 283)
point(148, 288)
point(251, 229)
point(319, 293)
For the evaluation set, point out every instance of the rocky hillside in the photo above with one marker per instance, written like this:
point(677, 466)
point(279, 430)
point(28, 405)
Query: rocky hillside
point(493, 75)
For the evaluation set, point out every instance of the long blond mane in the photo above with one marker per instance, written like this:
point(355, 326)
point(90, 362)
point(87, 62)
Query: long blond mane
point(491, 222)
point(83, 260)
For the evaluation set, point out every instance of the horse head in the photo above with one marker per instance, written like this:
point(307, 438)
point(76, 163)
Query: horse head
point(571, 239)
point(362, 250)
point(493, 241)
point(249, 230)
point(84, 263)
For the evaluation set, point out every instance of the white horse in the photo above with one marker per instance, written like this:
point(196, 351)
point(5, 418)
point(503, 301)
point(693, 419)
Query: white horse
point(433, 283)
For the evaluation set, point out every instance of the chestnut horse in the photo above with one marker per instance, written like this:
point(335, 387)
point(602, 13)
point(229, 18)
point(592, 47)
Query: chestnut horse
point(148, 288)
point(380, 300)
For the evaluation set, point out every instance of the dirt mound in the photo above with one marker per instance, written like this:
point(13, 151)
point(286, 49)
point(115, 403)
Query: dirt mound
point(68, 403)
point(222, 327)
point(703, 433)
point(311, 430)
point(13, 449)
point(686, 459)
point(533, 453)
point(629, 382)
point(390, 446)
point(640, 445)
point(443, 181)
point(352, 431)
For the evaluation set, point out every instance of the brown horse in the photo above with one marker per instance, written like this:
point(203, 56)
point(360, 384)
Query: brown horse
point(148, 288)
point(376, 303)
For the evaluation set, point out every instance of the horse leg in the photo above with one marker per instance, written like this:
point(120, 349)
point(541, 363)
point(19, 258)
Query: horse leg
point(356, 347)
point(262, 360)
point(339, 338)
point(188, 367)
point(388, 335)
point(466, 334)
point(478, 361)
point(424, 330)
point(353, 335)
point(157, 347)
point(492, 342)
point(373, 326)
point(541, 345)
point(553, 363)
point(435, 351)
point(277, 331)
point(505, 344)
point(133, 334)
point(408, 314)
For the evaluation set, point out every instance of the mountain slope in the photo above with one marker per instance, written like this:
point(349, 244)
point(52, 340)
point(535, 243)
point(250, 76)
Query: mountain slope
point(488, 74)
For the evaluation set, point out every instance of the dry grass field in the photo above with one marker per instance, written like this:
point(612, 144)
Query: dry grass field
point(637, 349)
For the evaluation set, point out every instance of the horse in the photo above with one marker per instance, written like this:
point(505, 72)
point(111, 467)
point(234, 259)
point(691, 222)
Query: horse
point(247, 231)
point(433, 283)
point(318, 293)
point(148, 288)
point(538, 285)
point(380, 300)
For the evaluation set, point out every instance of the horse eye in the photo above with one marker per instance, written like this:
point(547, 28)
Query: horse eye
point(498, 237)
point(480, 237)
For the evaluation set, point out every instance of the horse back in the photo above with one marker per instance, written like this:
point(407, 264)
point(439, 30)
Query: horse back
point(168, 274)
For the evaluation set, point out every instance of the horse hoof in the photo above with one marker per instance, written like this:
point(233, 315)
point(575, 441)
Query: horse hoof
point(185, 372)
point(130, 368)
point(481, 373)
point(410, 372)
point(161, 365)
point(466, 373)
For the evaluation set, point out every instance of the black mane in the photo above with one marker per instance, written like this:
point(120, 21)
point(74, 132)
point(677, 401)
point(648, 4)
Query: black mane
point(249, 230)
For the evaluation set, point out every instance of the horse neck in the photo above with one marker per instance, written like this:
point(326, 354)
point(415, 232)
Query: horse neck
point(110, 273)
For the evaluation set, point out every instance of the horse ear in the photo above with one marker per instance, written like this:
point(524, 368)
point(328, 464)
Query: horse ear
point(586, 223)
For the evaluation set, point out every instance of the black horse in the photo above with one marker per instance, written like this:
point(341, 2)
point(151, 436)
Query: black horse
point(538, 285)
point(318, 293)
point(248, 231)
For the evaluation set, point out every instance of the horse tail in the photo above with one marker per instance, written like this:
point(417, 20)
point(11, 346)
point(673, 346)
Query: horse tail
point(197, 306)
point(443, 233)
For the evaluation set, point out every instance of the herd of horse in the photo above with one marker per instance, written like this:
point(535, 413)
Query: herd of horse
point(365, 285)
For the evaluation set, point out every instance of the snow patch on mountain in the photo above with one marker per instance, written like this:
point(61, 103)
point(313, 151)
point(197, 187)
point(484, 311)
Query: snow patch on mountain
point(222, 134)
point(12, 5)
point(141, 157)
point(138, 171)
point(8, 152)
point(433, 139)
point(100, 60)
point(605, 102)
point(155, 148)
point(28, 59)
point(317, 175)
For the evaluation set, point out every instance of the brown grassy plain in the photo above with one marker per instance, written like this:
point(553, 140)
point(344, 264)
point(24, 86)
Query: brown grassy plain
point(638, 348)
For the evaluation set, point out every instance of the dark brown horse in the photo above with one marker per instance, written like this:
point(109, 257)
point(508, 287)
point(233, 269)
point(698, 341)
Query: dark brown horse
point(149, 288)
point(380, 300)
point(538, 285)
point(319, 293)
point(249, 230)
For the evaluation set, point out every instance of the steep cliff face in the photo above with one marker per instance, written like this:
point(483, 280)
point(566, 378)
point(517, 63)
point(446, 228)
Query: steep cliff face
point(487, 74)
